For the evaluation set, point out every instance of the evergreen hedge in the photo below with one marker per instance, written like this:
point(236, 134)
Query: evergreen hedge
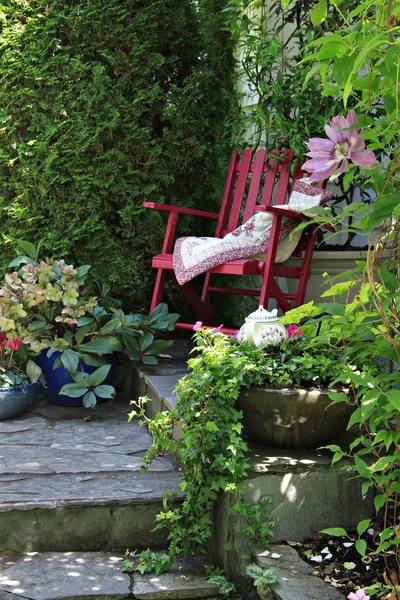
point(103, 105)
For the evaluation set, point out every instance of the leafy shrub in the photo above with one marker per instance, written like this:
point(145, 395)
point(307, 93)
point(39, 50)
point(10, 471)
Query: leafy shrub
point(103, 105)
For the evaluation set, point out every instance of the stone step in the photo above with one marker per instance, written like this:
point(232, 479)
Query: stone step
point(296, 578)
point(70, 479)
point(96, 576)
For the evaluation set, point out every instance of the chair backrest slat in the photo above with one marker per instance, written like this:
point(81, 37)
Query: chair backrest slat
point(227, 197)
point(258, 168)
point(271, 171)
point(283, 183)
point(245, 181)
point(243, 170)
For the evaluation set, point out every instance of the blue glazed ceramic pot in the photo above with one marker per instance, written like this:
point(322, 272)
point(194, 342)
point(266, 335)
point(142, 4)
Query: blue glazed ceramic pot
point(56, 378)
point(14, 400)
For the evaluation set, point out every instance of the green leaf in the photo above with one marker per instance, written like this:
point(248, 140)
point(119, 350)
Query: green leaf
point(355, 418)
point(68, 336)
point(57, 363)
point(211, 426)
point(349, 566)
point(74, 390)
point(29, 248)
point(33, 371)
point(362, 467)
point(85, 321)
point(381, 209)
point(149, 360)
point(363, 526)
point(81, 333)
point(20, 260)
point(361, 547)
point(336, 531)
point(111, 326)
point(81, 376)
point(39, 325)
point(390, 280)
point(70, 360)
point(160, 309)
point(92, 360)
point(158, 346)
point(386, 534)
point(132, 346)
point(318, 13)
point(379, 501)
point(146, 340)
point(339, 288)
point(394, 398)
point(332, 308)
point(82, 271)
point(105, 391)
point(102, 345)
point(89, 400)
point(99, 375)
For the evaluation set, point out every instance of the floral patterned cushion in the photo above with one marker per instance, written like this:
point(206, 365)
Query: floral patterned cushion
point(193, 255)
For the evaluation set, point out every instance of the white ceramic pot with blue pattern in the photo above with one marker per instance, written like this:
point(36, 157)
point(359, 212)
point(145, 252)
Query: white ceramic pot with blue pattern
point(15, 399)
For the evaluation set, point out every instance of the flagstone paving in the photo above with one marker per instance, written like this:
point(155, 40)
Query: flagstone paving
point(62, 474)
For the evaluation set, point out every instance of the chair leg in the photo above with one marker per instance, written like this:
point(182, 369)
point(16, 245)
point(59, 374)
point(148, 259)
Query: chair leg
point(158, 289)
point(201, 310)
point(205, 296)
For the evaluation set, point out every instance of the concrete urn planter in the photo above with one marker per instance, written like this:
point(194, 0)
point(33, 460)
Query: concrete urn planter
point(291, 418)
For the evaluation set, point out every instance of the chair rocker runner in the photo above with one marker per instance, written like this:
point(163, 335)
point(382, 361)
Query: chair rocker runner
point(251, 186)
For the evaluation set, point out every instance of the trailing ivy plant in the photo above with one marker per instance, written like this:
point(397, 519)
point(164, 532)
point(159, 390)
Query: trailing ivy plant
point(211, 449)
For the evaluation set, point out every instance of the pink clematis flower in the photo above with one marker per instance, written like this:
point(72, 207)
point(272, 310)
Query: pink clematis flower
point(344, 144)
point(358, 595)
point(294, 331)
point(197, 325)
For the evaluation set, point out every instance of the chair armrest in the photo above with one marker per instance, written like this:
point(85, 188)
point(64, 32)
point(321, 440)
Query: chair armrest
point(284, 212)
point(181, 210)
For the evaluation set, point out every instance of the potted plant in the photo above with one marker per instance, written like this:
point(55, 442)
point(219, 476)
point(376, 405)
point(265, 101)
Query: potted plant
point(298, 393)
point(74, 335)
point(18, 373)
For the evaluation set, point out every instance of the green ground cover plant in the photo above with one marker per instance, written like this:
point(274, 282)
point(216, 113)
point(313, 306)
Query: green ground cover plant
point(103, 105)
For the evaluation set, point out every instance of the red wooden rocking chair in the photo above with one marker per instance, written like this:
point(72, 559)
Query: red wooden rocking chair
point(265, 182)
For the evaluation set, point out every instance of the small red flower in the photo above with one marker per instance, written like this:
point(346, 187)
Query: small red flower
point(14, 343)
point(3, 336)
point(294, 331)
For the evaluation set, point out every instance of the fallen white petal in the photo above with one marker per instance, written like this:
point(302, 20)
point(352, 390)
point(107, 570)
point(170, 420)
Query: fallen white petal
point(348, 544)
point(265, 553)
point(328, 556)
point(276, 555)
point(317, 558)
point(325, 550)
